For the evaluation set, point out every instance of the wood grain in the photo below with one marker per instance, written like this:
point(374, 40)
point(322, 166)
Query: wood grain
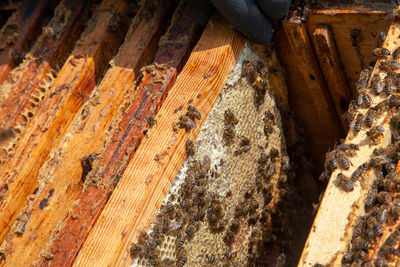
point(70, 90)
point(150, 94)
point(146, 181)
point(50, 50)
point(332, 70)
point(88, 132)
point(20, 31)
point(310, 100)
point(330, 233)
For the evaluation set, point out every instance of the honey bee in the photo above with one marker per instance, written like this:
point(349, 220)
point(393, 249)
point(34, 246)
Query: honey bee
point(344, 183)
point(390, 168)
point(387, 89)
point(369, 120)
point(151, 121)
point(396, 53)
point(383, 197)
point(347, 258)
point(377, 85)
point(381, 39)
point(377, 229)
point(394, 213)
point(234, 227)
point(356, 124)
point(186, 123)
point(181, 262)
point(229, 118)
point(246, 149)
point(344, 162)
point(376, 134)
point(190, 150)
point(383, 214)
point(134, 250)
point(362, 244)
point(381, 52)
point(117, 21)
point(395, 64)
point(228, 238)
point(6, 134)
point(393, 237)
point(193, 113)
point(370, 200)
point(356, 175)
point(364, 78)
point(355, 36)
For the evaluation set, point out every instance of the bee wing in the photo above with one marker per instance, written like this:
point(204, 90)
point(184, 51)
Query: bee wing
point(379, 87)
point(359, 100)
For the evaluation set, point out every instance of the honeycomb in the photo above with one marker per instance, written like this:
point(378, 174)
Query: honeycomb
point(223, 205)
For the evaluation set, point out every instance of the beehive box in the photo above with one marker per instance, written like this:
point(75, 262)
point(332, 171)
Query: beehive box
point(144, 135)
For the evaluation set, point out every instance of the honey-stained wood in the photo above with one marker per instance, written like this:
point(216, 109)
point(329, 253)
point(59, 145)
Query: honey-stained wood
point(149, 174)
point(26, 93)
point(87, 135)
point(20, 31)
point(111, 163)
point(70, 90)
point(331, 230)
point(354, 52)
point(309, 97)
point(332, 70)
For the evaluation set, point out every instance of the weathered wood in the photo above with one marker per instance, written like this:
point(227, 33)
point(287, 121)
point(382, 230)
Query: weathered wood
point(20, 31)
point(87, 134)
point(355, 54)
point(200, 81)
point(310, 98)
point(69, 92)
point(181, 35)
point(32, 81)
point(332, 70)
point(331, 231)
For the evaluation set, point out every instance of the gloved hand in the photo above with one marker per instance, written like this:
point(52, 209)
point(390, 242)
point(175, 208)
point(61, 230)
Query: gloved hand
point(252, 17)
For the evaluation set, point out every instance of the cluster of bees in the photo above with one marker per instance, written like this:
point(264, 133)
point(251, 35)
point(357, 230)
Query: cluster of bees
point(369, 246)
point(245, 224)
point(367, 86)
point(382, 211)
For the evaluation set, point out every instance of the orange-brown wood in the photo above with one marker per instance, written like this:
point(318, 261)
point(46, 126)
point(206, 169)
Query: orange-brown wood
point(112, 162)
point(49, 51)
point(146, 180)
point(332, 70)
point(70, 90)
point(20, 31)
point(88, 132)
point(354, 55)
point(308, 96)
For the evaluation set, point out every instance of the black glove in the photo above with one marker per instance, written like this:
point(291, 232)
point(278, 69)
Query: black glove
point(252, 17)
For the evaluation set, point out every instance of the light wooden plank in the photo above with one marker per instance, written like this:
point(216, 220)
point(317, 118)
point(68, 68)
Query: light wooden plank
point(69, 92)
point(331, 231)
point(145, 182)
